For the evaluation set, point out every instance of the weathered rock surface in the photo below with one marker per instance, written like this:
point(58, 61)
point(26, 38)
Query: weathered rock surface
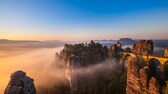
point(20, 84)
point(114, 50)
point(133, 84)
point(144, 47)
point(139, 80)
point(149, 85)
point(166, 52)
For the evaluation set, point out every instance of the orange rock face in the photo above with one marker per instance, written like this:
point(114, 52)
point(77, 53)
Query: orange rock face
point(166, 52)
point(138, 80)
point(144, 47)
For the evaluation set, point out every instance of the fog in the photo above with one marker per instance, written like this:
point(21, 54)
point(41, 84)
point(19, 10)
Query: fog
point(41, 65)
point(36, 63)
point(94, 69)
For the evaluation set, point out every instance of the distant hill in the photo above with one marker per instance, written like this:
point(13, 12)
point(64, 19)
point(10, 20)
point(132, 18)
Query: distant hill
point(104, 40)
point(126, 40)
point(18, 44)
point(6, 40)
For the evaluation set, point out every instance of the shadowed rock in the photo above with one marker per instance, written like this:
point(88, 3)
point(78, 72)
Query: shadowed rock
point(20, 84)
point(114, 51)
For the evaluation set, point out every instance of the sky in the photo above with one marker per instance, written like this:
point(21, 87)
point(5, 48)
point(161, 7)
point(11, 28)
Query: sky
point(83, 19)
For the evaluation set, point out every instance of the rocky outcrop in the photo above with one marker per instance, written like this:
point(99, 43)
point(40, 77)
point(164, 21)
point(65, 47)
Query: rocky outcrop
point(20, 84)
point(149, 85)
point(84, 54)
point(114, 50)
point(139, 80)
point(166, 52)
point(133, 81)
point(143, 47)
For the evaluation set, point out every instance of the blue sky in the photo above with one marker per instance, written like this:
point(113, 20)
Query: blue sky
point(83, 19)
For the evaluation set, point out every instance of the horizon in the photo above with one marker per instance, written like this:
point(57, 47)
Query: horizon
point(83, 20)
point(78, 40)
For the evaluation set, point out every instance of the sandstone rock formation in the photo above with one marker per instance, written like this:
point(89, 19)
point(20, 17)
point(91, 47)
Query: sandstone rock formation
point(117, 47)
point(139, 80)
point(20, 84)
point(114, 50)
point(133, 81)
point(166, 52)
point(144, 76)
point(143, 47)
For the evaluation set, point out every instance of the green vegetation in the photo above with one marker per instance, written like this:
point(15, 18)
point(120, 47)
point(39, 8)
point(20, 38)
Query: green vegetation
point(85, 54)
point(140, 62)
point(111, 81)
point(102, 81)
point(128, 50)
point(111, 51)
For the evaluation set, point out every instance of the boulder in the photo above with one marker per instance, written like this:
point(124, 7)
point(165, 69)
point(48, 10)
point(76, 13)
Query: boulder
point(20, 84)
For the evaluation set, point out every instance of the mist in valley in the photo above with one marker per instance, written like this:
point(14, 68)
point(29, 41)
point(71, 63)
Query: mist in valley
point(38, 64)
point(47, 71)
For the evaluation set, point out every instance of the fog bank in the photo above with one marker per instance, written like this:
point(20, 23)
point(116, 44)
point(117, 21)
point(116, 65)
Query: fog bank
point(37, 64)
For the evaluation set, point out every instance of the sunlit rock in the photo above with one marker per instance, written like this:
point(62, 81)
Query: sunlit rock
point(140, 81)
point(144, 47)
point(166, 52)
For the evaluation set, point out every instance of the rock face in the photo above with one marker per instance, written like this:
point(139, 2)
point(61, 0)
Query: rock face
point(139, 80)
point(133, 81)
point(20, 84)
point(149, 85)
point(144, 47)
point(114, 50)
point(117, 47)
point(166, 52)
